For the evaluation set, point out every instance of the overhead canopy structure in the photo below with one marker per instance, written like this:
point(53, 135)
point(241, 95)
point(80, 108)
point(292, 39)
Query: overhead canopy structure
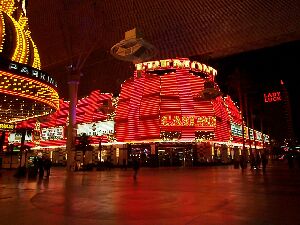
point(25, 90)
point(215, 28)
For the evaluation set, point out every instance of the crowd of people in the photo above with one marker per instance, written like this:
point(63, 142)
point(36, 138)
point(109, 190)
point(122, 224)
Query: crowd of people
point(293, 157)
point(40, 165)
point(257, 161)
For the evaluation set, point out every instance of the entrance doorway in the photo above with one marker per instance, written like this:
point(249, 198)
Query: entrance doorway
point(142, 153)
point(175, 156)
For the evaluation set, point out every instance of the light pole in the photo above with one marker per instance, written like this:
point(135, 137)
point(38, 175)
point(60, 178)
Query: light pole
point(79, 44)
point(74, 77)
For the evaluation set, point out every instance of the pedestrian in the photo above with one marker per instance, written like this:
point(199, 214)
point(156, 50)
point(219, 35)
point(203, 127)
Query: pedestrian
point(252, 162)
point(236, 162)
point(290, 159)
point(264, 161)
point(124, 164)
point(242, 162)
point(35, 163)
point(47, 166)
point(136, 167)
point(298, 159)
point(258, 160)
point(41, 162)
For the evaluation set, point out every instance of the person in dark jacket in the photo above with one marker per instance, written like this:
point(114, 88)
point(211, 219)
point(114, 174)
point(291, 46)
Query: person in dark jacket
point(136, 167)
point(41, 161)
point(47, 166)
point(264, 161)
point(290, 158)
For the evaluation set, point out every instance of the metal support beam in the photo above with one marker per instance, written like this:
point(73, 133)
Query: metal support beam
point(73, 90)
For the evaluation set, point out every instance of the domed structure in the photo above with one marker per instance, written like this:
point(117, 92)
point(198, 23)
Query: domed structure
point(25, 90)
point(161, 101)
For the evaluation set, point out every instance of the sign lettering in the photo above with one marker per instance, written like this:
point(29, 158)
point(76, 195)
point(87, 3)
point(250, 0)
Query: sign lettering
point(53, 133)
point(272, 97)
point(175, 64)
point(191, 121)
point(7, 126)
point(25, 70)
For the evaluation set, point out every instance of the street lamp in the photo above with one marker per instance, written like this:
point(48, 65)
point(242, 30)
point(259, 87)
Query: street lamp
point(74, 77)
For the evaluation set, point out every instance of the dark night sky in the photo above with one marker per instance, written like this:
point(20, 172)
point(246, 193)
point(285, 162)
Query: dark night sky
point(262, 71)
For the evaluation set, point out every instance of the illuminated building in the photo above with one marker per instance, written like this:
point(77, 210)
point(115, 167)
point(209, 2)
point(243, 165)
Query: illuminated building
point(48, 134)
point(25, 90)
point(170, 113)
point(174, 109)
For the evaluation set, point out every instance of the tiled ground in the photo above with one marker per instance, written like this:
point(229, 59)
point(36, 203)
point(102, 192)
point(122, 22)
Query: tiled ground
point(206, 195)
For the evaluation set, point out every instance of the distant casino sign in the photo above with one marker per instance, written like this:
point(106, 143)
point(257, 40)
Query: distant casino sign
point(272, 97)
point(27, 71)
point(7, 126)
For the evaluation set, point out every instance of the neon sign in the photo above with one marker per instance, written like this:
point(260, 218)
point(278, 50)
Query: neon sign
point(266, 138)
point(53, 133)
point(28, 71)
point(236, 129)
point(196, 121)
point(272, 97)
point(7, 126)
point(176, 64)
point(96, 129)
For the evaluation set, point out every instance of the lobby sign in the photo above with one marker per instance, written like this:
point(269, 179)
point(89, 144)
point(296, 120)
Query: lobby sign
point(96, 128)
point(53, 133)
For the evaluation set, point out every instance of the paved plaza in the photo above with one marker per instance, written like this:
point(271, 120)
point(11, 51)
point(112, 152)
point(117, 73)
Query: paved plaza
point(159, 196)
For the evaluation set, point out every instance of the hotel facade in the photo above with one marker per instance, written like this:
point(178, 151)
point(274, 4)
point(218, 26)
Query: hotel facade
point(169, 113)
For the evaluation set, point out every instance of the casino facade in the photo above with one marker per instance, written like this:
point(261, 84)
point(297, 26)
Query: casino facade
point(174, 111)
point(169, 113)
point(26, 91)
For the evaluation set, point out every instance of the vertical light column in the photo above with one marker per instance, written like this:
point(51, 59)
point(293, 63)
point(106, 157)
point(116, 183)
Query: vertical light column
point(186, 101)
point(222, 126)
point(73, 89)
point(134, 110)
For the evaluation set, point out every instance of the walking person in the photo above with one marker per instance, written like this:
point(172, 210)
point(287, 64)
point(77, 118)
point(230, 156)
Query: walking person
point(298, 159)
point(136, 167)
point(41, 162)
point(264, 161)
point(252, 162)
point(47, 166)
point(290, 159)
point(242, 162)
point(124, 164)
point(258, 160)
